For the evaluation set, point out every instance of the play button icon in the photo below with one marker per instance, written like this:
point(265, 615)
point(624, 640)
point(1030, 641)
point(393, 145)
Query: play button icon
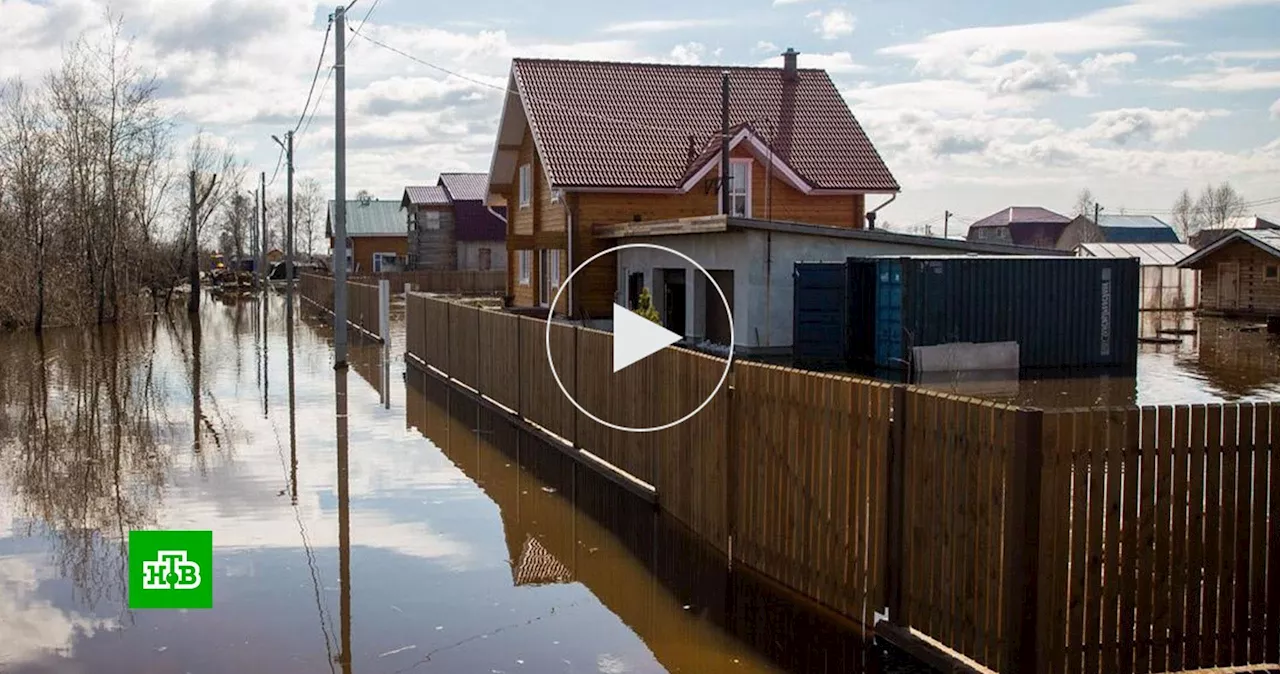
point(636, 338)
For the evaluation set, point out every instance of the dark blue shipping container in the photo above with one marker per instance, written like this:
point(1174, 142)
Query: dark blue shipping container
point(1066, 314)
point(820, 327)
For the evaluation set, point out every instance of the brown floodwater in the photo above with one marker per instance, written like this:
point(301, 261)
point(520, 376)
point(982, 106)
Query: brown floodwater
point(1223, 361)
point(416, 532)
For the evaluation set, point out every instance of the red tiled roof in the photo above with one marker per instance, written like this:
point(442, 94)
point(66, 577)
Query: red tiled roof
point(604, 124)
point(465, 186)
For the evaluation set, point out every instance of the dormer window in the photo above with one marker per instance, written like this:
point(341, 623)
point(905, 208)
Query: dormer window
point(740, 188)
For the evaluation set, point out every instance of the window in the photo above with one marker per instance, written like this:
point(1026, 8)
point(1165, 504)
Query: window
point(486, 259)
point(740, 188)
point(526, 185)
point(550, 260)
point(524, 262)
point(383, 262)
point(1272, 274)
point(429, 220)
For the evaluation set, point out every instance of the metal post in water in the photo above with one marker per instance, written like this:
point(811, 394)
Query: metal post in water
point(340, 189)
point(384, 311)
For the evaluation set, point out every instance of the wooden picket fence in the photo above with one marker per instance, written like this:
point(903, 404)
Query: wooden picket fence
point(362, 301)
point(1122, 539)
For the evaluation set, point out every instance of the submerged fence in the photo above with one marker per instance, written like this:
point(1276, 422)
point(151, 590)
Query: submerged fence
point(1125, 539)
point(365, 303)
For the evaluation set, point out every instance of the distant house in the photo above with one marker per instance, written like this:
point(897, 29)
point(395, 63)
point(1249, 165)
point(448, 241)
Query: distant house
point(376, 236)
point(1117, 229)
point(1164, 287)
point(1239, 274)
point(1021, 226)
point(1208, 235)
point(451, 227)
point(796, 153)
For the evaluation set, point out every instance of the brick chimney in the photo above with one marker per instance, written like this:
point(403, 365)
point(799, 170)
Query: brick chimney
point(789, 65)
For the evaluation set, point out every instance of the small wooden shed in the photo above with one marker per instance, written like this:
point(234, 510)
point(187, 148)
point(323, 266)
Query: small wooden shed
point(1239, 274)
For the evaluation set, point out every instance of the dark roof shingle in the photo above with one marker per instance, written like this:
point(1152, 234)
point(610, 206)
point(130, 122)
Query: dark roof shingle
point(465, 186)
point(605, 124)
point(1021, 214)
point(432, 195)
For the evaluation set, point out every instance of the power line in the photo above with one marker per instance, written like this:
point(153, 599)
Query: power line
point(318, 99)
point(315, 77)
point(276, 172)
point(362, 21)
point(512, 92)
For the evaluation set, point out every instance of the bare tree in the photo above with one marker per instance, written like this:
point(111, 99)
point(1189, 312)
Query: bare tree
point(1219, 205)
point(1084, 203)
point(1187, 218)
point(26, 159)
point(308, 212)
point(206, 163)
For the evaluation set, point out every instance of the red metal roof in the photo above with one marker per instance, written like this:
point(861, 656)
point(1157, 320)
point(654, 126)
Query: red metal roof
point(1015, 215)
point(605, 124)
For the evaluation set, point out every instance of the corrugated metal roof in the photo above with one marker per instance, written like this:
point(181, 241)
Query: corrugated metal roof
point(433, 195)
point(1149, 254)
point(376, 217)
point(465, 186)
point(1021, 214)
point(1139, 221)
point(1266, 239)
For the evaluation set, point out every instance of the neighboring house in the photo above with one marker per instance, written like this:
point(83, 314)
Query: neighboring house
point(583, 144)
point(1208, 235)
point(1117, 229)
point(451, 227)
point(752, 261)
point(1239, 274)
point(376, 236)
point(1020, 226)
point(1165, 287)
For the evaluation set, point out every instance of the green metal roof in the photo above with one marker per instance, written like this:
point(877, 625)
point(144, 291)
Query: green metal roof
point(375, 217)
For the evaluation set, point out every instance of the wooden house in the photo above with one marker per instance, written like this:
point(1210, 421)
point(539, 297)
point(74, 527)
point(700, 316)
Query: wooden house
point(1208, 235)
point(451, 227)
point(1020, 226)
point(1239, 274)
point(583, 145)
point(377, 240)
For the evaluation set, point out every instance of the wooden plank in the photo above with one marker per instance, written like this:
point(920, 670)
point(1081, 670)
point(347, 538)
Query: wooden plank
point(1113, 439)
point(1241, 576)
point(1213, 537)
point(951, 463)
point(1164, 514)
point(1178, 549)
point(931, 494)
point(1273, 539)
point(974, 554)
point(840, 402)
point(1077, 641)
point(1062, 549)
point(986, 575)
point(1145, 609)
point(1096, 430)
point(880, 438)
point(1048, 542)
point(1126, 439)
point(1195, 541)
point(1226, 587)
point(1258, 535)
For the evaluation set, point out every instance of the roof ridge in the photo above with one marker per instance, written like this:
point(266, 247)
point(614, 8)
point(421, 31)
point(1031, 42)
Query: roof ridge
point(658, 64)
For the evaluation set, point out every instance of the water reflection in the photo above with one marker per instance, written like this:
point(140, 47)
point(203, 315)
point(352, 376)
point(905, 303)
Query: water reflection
point(565, 525)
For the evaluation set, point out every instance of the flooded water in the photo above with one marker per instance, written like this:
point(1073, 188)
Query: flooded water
point(417, 532)
point(1223, 361)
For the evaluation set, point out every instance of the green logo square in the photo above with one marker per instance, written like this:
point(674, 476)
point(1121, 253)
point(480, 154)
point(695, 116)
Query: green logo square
point(170, 569)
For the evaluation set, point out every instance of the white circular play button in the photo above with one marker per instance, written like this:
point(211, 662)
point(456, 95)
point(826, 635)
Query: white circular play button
point(636, 338)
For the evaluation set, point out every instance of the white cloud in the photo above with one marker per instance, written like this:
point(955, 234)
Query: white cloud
point(834, 24)
point(764, 46)
point(779, 3)
point(33, 626)
point(836, 63)
point(1231, 78)
point(662, 25)
point(1162, 126)
point(689, 53)
point(1275, 109)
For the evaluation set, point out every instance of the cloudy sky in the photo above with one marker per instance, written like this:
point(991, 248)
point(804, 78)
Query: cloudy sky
point(974, 106)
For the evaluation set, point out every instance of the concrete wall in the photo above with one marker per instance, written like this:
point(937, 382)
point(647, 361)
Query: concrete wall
point(469, 255)
point(762, 264)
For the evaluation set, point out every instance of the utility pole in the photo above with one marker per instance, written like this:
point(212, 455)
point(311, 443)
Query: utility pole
point(340, 189)
point(946, 224)
point(262, 220)
point(1097, 212)
point(258, 277)
point(287, 146)
point(725, 206)
point(193, 301)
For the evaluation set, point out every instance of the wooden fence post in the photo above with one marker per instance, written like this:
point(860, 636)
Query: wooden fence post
point(895, 534)
point(1022, 542)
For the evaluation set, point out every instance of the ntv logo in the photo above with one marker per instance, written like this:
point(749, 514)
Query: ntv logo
point(171, 571)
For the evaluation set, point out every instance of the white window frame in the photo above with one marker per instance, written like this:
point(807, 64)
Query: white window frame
point(550, 277)
point(735, 192)
point(429, 219)
point(524, 266)
point(379, 259)
point(526, 185)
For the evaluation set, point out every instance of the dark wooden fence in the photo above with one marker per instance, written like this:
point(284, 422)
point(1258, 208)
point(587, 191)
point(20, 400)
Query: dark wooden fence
point(1122, 539)
point(362, 300)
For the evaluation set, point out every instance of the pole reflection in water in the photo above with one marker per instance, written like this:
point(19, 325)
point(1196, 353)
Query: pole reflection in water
point(266, 350)
point(293, 417)
point(197, 413)
point(386, 377)
point(344, 519)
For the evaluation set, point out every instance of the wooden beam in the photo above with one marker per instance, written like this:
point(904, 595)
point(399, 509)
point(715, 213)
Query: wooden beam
point(696, 225)
point(508, 147)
